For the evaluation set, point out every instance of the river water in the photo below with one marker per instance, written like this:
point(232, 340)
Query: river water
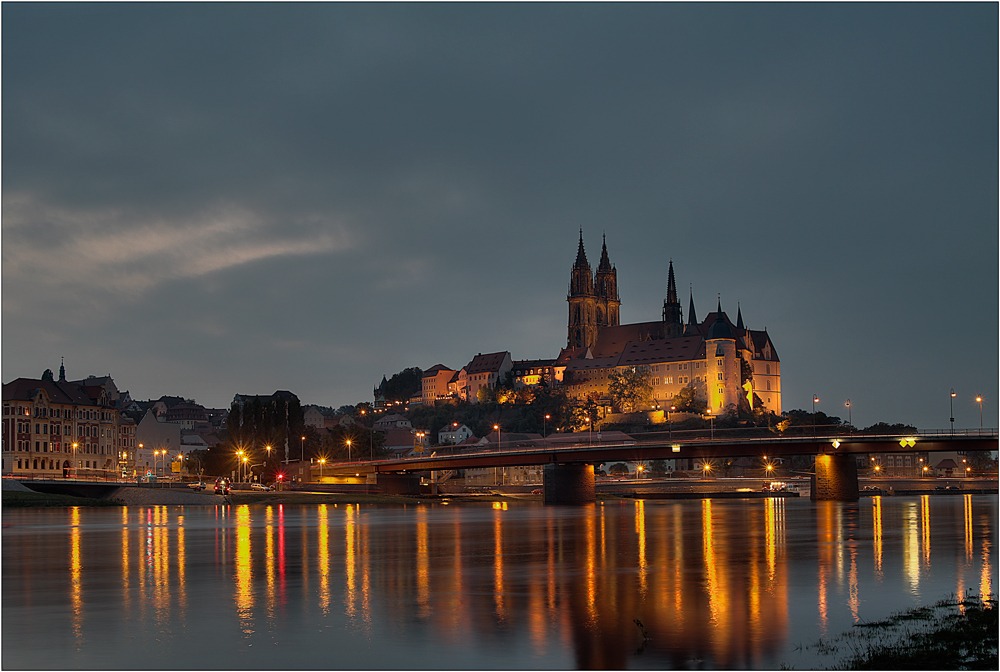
point(734, 584)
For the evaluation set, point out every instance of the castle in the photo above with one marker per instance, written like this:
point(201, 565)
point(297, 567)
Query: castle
point(726, 364)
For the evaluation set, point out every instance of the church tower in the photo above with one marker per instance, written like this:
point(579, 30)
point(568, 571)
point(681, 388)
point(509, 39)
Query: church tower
point(673, 322)
point(606, 290)
point(582, 303)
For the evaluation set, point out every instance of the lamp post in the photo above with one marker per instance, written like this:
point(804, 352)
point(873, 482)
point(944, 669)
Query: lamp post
point(590, 431)
point(979, 400)
point(75, 475)
point(545, 419)
point(245, 476)
point(499, 441)
point(348, 452)
point(670, 428)
point(815, 399)
point(850, 423)
point(322, 461)
point(952, 400)
point(239, 465)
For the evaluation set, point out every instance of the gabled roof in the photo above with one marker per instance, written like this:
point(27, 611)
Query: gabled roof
point(433, 371)
point(487, 363)
point(591, 364)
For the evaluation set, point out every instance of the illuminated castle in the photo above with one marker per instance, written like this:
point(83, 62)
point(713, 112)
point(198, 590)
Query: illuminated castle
point(726, 364)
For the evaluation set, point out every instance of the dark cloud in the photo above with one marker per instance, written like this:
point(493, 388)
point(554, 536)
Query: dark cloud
point(206, 199)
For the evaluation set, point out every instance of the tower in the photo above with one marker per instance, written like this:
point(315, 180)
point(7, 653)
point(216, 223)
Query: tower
point(582, 303)
point(722, 381)
point(673, 322)
point(606, 291)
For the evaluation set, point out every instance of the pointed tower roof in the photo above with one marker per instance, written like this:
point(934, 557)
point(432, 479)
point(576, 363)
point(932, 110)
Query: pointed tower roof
point(62, 369)
point(581, 256)
point(605, 264)
point(671, 285)
point(739, 317)
point(720, 328)
point(691, 313)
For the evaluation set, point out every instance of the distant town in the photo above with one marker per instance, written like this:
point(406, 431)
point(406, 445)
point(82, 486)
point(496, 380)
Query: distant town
point(612, 379)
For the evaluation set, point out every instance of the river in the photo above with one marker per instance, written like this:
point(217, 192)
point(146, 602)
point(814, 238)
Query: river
point(733, 584)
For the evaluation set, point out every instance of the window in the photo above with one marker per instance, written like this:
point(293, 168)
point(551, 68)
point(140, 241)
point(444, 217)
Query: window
point(719, 374)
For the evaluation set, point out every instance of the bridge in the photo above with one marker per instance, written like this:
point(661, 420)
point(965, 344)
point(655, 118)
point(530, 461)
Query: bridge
point(569, 470)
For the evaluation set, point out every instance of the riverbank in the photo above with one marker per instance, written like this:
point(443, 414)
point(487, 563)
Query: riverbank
point(953, 634)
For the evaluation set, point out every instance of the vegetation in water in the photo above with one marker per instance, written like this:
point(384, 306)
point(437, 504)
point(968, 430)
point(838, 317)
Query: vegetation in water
point(953, 634)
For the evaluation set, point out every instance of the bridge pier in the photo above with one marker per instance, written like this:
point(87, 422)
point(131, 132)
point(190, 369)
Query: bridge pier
point(398, 484)
point(569, 484)
point(835, 479)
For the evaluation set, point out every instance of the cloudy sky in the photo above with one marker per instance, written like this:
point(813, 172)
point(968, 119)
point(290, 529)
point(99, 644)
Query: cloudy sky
point(211, 199)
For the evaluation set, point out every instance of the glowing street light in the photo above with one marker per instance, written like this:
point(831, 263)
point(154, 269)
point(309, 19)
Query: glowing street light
point(979, 400)
point(545, 419)
point(952, 400)
point(850, 422)
point(348, 450)
point(815, 400)
point(322, 461)
point(639, 469)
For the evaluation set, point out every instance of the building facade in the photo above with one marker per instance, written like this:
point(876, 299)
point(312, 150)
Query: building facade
point(723, 364)
point(59, 429)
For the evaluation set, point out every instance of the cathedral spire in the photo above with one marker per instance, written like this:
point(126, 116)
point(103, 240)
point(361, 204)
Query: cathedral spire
point(62, 369)
point(739, 317)
point(605, 264)
point(691, 313)
point(581, 256)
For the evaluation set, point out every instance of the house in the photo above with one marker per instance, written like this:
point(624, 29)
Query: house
point(392, 421)
point(434, 384)
point(486, 371)
point(313, 417)
point(453, 434)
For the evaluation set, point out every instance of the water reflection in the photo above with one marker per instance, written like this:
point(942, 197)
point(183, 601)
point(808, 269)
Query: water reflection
point(712, 583)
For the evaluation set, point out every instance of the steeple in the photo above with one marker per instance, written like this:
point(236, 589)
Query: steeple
point(581, 256)
point(671, 285)
point(739, 317)
point(605, 264)
point(720, 328)
point(606, 290)
point(62, 369)
point(673, 320)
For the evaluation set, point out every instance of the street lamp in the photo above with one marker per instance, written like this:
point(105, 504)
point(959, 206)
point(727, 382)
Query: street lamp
point(348, 452)
point(590, 432)
point(979, 400)
point(670, 428)
point(322, 461)
point(75, 474)
point(952, 410)
point(245, 460)
point(815, 399)
point(639, 469)
point(239, 459)
point(497, 429)
point(302, 445)
point(544, 420)
point(850, 423)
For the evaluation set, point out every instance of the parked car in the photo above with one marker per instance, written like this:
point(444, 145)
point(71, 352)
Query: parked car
point(197, 486)
point(222, 486)
point(260, 486)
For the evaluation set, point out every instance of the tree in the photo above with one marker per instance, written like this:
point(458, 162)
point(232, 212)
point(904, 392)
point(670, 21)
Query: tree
point(618, 468)
point(687, 400)
point(630, 387)
point(657, 468)
point(404, 385)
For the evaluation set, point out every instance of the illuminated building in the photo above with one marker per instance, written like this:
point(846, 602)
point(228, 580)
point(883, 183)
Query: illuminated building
point(60, 428)
point(723, 363)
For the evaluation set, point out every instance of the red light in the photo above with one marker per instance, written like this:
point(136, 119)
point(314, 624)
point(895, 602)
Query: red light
point(280, 476)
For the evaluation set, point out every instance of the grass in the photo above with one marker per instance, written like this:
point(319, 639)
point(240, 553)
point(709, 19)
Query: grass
point(953, 634)
point(16, 499)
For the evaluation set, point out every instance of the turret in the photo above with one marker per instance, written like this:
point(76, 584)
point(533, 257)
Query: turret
point(606, 290)
point(723, 377)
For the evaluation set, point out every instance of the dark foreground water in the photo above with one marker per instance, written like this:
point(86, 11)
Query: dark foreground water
point(715, 584)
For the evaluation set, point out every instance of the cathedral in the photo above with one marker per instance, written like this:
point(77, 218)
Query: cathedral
point(726, 364)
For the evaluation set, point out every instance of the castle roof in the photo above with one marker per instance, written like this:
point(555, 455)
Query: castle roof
point(661, 350)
